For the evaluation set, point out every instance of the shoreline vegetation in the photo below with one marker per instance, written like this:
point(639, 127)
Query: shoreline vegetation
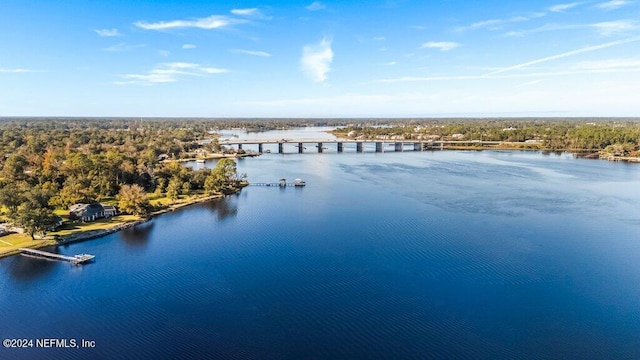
point(77, 232)
point(608, 139)
point(49, 164)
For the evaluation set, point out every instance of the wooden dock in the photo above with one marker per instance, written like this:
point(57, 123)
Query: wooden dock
point(275, 184)
point(76, 259)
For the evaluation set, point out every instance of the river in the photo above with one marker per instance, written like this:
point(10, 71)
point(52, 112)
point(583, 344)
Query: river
point(443, 255)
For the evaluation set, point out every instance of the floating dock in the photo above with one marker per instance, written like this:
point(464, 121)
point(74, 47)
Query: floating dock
point(76, 259)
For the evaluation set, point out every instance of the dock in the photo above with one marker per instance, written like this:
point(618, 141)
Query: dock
point(282, 183)
point(275, 184)
point(76, 259)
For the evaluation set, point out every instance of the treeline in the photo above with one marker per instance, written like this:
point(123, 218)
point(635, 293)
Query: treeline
point(552, 134)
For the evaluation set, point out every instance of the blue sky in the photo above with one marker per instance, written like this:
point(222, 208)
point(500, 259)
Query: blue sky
point(319, 58)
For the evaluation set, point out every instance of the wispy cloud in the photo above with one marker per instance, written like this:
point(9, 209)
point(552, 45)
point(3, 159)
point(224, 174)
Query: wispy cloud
point(506, 76)
point(315, 6)
point(563, 7)
point(245, 12)
point(168, 73)
point(250, 52)
point(123, 47)
point(499, 24)
point(615, 27)
point(108, 32)
point(608, 64)
point(207, 23)
point(16, 71)
point(316, 60)
point(440, 45)
point(604, 28)
point(612, 5)
point(188, 46)
point(379, 38)
point(596, 67)
point(564, 55)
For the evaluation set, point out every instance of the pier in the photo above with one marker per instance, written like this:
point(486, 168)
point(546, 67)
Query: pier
point(76, 259)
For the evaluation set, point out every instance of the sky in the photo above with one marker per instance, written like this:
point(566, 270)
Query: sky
point(402, 58)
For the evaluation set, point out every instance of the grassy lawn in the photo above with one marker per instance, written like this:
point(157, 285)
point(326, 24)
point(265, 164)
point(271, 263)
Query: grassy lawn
point(100, 224)
point(11, 243)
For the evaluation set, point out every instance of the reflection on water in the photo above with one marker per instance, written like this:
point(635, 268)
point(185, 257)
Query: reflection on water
point(224, 208)
point(137, 236)
point(29, 268)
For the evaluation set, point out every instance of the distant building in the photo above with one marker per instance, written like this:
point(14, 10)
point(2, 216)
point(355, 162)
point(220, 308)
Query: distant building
point(86, 212)
point(109, 210)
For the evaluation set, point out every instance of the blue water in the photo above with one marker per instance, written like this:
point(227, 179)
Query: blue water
point(443, 255)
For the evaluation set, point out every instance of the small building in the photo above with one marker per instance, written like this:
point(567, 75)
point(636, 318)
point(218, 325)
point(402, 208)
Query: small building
point(109, 210)
point(86, 212)
point(299, 182)
point(282, 182)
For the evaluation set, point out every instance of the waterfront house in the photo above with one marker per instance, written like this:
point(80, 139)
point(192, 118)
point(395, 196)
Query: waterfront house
point(86, 212)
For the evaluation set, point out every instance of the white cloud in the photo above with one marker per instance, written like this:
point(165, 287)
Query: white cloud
point(315, 6)
point(123, 47)
point(379, 38)
point(612, 5)
point(498, 24)
point(564, 55)
point(440, 45)
point(15, 71)
point(164, 53)
point(604, 28)
point(208, 23)
point(188, 46)
point(244, 12)
point(614, 27)
point(108, 32)
point(316, 60)
point(168, 73)
point(390, 63)
point(250, 52)
point(563, 7)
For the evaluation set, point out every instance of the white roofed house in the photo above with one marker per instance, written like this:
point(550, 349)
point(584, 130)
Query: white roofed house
point(86, 212)
point(109, 210)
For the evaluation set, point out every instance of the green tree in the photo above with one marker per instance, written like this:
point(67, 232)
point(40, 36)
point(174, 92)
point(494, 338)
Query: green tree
point(34, 214)
point(132, 199)
point(174, 188)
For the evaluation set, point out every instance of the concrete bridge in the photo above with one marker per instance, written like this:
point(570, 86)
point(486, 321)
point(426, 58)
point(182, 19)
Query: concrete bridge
point(398, 145)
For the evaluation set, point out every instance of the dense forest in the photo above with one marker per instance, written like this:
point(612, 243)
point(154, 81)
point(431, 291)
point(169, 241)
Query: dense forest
point(51, 164)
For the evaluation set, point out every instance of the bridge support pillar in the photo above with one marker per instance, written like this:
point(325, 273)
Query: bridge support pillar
point(319, 147)
point(280, 148)
point(260, 148)
point(417, 146)
point(239, 146)
point(300, 148)
point(398, 146)
point(340, 147)
point(358, 147)
point(378, 147)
